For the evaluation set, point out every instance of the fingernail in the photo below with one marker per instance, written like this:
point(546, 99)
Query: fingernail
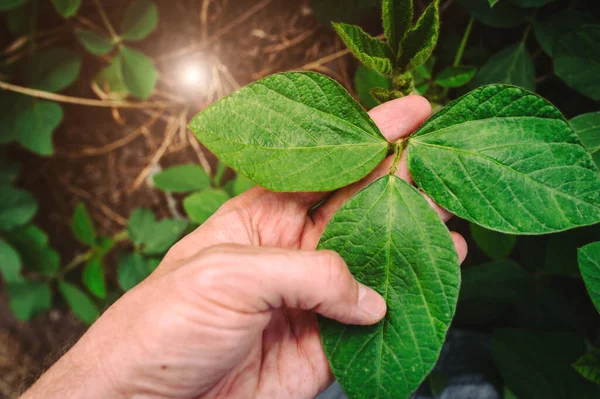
point(370, 301)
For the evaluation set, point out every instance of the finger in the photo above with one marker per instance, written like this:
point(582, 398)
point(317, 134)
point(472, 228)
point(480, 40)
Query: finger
point(461, 246)
point(256, 280)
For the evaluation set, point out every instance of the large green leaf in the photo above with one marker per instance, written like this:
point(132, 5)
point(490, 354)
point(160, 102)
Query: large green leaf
point(372, 52)
point(296, 131)
point(82, 225)
point(182, 178)
point(506, 159)
point(79, 302)
point(365, 80)
point(538, 366)
point(94, 42)
point(66, 8)
point(577, 60)
point(419, 42)
point(589, 264)
point(133, 269)
point(28, 298)
point(503, 15)
point(93, 277)
point(589, 365)
point(10, 264)
point(394, 242)
point(549, 30)
point(492, 243)
point(203, 204)
point(17, 207)
point(511, 65)
point(37, 254)
point(10, 4)
point(52, 70)
point(153, 237)
point(587, 127)
point(455, 76)
point(397, 20)
point(140, 20)
point(138, 72)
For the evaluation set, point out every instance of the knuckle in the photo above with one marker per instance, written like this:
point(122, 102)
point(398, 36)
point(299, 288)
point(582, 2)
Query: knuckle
point(333, 266)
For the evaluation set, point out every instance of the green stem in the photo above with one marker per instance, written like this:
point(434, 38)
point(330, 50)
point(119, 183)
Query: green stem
point(526, 34)
point(398, 148)
point(463, 43)
point(106, 21)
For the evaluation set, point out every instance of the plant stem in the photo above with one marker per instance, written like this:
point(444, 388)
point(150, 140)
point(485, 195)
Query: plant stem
point(463, 43)
point(526, 34)
point(106, 21)
point(398, 148)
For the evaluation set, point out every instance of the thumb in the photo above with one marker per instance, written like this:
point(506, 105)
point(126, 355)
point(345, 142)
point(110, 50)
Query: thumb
point(261, 279)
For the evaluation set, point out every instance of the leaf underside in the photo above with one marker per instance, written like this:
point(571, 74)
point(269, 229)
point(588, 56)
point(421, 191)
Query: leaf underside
point(420, 41)
point(293, 132)
point(507, 160)
point(394, 242)
point(372, 52)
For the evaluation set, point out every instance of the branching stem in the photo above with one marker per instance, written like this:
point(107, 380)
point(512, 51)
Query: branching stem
point(106, 21)
point(398, 148)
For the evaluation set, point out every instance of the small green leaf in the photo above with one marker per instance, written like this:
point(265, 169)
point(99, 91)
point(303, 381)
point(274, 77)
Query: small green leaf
point(17, 207)
point(549, 30)
point(589, 366)
point(52, 70)
point(66, 8)
point(587, 127)
point(538, 365)
point(281, 136)
point(241, 184)
point(366, 79)
point(503, 15)
point(425, 70)
point(138, 71)
point(94, 42)
point(455, 76)
point(407, 255)
point(165, 233)
point(10, 264)
point(110, 81)
point(6, 5)
point(182, 179)
point(28, 298)
point(493, 244)
point(531, 3)
point(105, 244)
point(37, 255)
point(506, 159)
point(511, 65)
point(203, 204)
point(79, 302)
point(93, 277)
point(133, 269)
point(419, 42)
point(502, 281)
point(141, 225)
point(577, 60)
point(372, 52)
point(140, 20)
point(35, 124)
point(589, 264)
point(82, 225)
point(397, 20)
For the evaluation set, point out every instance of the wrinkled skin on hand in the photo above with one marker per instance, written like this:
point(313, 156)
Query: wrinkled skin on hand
point(231, 310)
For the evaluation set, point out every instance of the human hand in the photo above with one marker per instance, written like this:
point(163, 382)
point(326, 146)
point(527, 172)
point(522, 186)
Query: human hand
point(230, 312)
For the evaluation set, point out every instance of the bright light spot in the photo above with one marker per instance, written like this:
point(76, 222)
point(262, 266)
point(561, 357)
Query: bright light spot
point(194, 75)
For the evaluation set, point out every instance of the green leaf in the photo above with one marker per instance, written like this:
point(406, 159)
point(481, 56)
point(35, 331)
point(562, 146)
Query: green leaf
point(531, 3)
point(203, 204)
point(152, 236)
point(372, 52)
point(493, 244)
point(32, 244)
point(19, 21)
point(10, 265)
point(589, 366)
point(82, 225)
point(133, 269)
point(140, 225)
point(503, 281)
point(366, 79)
point(419, 42)
point(110, 81)
point(138, 71)
point(425, 71)
point(281, 136)
point(66, 8)
point(589, 264)
point(397, 20)
point(503, 15)
point(407, 255)
point(511, 65)
point(493, 2)
point(93, 277)
point(182, 178)
point(17, 207)
point(549, 30)
point(455, 76)
point(6, 5)
point(577, 60)
point(538, 366)
point(506, 159)
point(52, 70)
point(79, 302)
point(94, 42)
point(587, 128)
point(28, 298)
point(140, 20)
point(241, 184)
point(508, 394)
point(35, 123)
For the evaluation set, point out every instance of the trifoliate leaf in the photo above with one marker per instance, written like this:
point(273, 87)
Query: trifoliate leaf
point(94, 42)
point(511, 65)
point(203, 204)
point(182, 178)
point(138, 72)
point(458, 76)
point(372, 52)
point(140, 20)
point(79, 302)
point(587, 128)
point(82, 226)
